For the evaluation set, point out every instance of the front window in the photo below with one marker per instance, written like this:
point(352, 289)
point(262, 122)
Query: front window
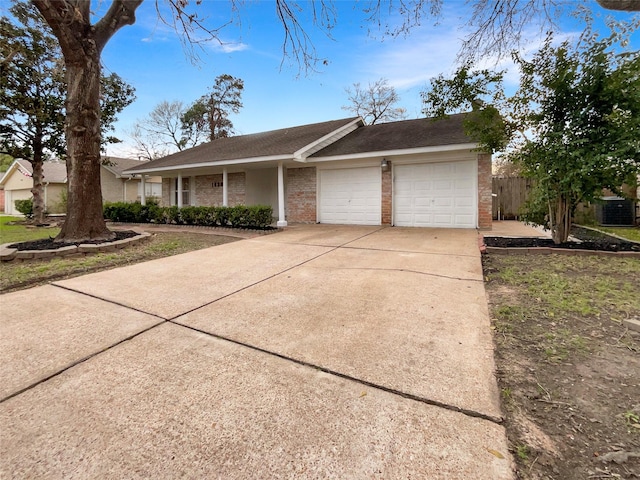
point(184, 191)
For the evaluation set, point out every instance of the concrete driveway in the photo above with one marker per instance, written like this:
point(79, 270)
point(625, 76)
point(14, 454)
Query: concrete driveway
point(317, 352)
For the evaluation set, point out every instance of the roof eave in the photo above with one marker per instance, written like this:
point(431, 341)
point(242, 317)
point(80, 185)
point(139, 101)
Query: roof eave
point(217, 163)
point(396, 152)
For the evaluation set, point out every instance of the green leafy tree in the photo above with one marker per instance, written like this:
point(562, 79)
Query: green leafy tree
point(5, 162)
point(82, 42)
point(31, 95)
point(479, 94)
point(209, 115)
point(32, 90)
point(573, 125)
point(584, 111)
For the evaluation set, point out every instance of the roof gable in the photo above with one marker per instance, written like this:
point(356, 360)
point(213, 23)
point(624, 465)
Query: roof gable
point(53, 172)
point(403, 135)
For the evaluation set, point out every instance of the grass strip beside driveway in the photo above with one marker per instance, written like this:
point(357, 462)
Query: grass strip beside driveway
point(20, 275)
point(567, 366)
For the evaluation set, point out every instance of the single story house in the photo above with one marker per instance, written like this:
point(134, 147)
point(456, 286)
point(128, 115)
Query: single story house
point(420, 173)
point(17, 183)
point(116, 186)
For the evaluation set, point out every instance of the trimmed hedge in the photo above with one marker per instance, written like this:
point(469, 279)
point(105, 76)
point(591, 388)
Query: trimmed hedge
point(240, 216)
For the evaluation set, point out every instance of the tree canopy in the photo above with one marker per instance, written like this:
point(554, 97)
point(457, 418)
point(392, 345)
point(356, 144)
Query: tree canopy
point(210, 114)
point(172, 126)
point(584, 109)
point(82, 42)
point(32, 91)
point(573, 125)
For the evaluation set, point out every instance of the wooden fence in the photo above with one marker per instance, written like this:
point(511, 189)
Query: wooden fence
point(509, 194)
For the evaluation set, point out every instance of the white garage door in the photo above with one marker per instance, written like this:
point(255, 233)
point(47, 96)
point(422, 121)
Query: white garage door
point(350, 196)
point(435, 195)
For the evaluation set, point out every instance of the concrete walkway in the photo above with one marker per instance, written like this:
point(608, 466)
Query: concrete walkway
point(513, 228)
point(317, 352)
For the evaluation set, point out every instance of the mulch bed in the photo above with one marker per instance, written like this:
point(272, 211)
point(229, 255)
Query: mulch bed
point(589, 240)
point(49, 244)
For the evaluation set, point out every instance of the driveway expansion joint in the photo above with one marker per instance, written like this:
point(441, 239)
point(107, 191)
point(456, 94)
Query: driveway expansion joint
point(79, 361)
point(124, 305)
point(330, 249)
point(406, 270)
point(440, 254)
point(416, 398)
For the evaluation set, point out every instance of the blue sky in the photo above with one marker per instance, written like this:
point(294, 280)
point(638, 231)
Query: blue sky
point(150, 56)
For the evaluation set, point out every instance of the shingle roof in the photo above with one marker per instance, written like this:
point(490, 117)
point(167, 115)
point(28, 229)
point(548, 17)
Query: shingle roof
point(285, 141)
point(423, 132)
point(117, 165)
point(53, 172)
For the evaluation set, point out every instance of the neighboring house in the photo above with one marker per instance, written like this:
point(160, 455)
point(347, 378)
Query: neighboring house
point(17, 183)
point(116, 186)
point(419, 173)
point(122, 187)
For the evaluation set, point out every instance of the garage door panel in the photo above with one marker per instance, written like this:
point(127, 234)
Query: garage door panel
point(350, 196)
point(435, 194)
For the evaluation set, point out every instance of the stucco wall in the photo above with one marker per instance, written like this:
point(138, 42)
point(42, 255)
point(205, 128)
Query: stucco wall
point(11, 196)
point(54, 198)
point(18, 187)
point(262, 187)
point(18, 181)
point(236, 191)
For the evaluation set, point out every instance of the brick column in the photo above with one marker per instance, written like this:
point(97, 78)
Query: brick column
point(386, 197)
point(484, 191)
point(301, 195)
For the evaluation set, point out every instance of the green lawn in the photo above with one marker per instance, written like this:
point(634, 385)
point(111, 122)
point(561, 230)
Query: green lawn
point(18, 275)
point(631, 233)
point(21, 233)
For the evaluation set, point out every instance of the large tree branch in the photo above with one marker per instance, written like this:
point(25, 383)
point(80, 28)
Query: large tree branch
point(67, 19)
point(121, 13)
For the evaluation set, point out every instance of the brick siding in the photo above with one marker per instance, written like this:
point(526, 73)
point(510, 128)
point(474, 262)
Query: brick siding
point(209, 190)
point(166, 192)
point(386, 197)
point(237, 189)
point(301, 195)
point(484, 191)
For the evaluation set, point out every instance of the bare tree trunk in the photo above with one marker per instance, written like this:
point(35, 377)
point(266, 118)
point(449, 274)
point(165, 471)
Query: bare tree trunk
point(82, 44)
point(560, 220)
point(85, 220)
point(37, 176)
point(37, 191)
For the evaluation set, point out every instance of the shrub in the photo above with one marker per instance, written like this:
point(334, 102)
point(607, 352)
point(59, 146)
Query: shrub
point(25, 207)
point(259, 216)
point(240, 216)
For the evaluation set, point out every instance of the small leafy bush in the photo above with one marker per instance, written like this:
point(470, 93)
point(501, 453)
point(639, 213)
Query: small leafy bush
point(239, 216)
point(25, 207)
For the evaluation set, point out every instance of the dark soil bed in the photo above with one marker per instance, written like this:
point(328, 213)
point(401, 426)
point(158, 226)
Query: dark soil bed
point(568, 368)
point(589, 240)
point(49, 244)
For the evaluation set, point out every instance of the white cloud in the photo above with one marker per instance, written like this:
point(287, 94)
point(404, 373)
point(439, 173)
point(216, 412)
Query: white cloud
point(230, 47)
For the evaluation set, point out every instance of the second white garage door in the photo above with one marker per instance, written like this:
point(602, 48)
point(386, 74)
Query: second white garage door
point(350, 196)
point(435, 195)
